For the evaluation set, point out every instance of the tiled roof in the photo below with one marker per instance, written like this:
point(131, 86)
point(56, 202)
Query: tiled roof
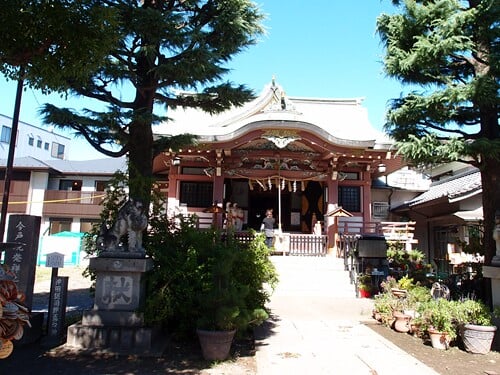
point(89, 167)
point(26, 162)
point(340, 120)
point(455, 188)
point(106, 166)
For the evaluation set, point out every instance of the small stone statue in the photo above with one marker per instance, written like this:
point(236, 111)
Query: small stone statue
point(131, 221)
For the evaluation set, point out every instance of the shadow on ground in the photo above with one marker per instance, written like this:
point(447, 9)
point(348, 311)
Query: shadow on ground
point(178, 358)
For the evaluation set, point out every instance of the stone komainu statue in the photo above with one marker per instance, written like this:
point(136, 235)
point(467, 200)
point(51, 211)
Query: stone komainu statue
point(131, 220)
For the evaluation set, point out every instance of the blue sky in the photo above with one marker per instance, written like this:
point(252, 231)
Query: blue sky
point(314, 48)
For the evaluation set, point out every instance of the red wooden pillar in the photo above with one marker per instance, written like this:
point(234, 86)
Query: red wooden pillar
point(218, 197)
point(172, 185)
point(331, 225)
point(367, 197)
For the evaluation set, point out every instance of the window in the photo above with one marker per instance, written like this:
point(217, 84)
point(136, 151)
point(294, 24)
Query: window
point(31, 141)
point(46, 146)
point(5, 136)
point(380, 210)
point(70, 185)
point(101, 185)
point(87, 224)
point(194, 171)
point(59, 225)
point(196, 194)
point(351, 176)
point(349, 198)
point(57, 150)
point(39, 143)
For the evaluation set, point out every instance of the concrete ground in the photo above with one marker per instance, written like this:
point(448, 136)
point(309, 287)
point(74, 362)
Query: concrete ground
point(316, 326)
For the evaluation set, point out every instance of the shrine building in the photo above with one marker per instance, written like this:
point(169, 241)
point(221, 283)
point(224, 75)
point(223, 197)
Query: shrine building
point(304, 158)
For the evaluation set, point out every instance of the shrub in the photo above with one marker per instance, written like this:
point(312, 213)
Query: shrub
point(474, 312)
point(204, 279)
point(439, 314)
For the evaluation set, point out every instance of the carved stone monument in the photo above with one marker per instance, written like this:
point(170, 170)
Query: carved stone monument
point(131, 222)
point(114, 324)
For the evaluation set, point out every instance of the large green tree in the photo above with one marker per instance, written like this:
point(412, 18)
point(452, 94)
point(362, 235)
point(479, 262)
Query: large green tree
point(448, 52)
point(48, 44)
point(171, 53)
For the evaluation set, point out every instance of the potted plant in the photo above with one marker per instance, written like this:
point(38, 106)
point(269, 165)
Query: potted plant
point(364, 285)
point(476, 328)
point(383, 307)
point(223, 300)
point(407, 308)
point(438, 317)
point(206, 282)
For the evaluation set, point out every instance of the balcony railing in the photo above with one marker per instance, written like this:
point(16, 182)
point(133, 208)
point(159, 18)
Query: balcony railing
point(18, 196)
point(86, 204)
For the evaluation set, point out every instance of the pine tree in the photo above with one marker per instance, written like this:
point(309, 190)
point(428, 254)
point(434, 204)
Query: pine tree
point(48, 44)
point(168, 54)
point(448, 51)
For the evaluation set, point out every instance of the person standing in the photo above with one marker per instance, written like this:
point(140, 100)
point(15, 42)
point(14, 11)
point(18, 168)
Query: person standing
point(268, 227)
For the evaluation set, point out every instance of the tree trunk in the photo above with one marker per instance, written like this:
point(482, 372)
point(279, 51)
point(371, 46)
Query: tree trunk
point(490, 179)
point(140, 159)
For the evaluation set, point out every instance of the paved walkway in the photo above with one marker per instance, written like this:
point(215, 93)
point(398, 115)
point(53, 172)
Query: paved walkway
point(316, 326)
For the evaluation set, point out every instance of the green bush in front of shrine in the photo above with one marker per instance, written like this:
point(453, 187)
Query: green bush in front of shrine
point(205, 278)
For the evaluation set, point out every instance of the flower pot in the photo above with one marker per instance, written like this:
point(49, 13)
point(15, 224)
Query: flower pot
point(439, 340)
point(400, 293)
point(376, 315)
point(401, 322)
point(215, 345)
point(363, 293)
point(415, 329)
point(477, 339)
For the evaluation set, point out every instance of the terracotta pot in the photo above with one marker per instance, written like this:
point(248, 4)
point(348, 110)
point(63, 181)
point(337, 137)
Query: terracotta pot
point(439, 340)
point(400, 293)
point(215, 345)
point(477, 339)
point(401, 322)
point(376, 315)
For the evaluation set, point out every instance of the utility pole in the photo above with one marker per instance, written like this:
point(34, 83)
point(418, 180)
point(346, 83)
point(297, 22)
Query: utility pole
point(10, 159)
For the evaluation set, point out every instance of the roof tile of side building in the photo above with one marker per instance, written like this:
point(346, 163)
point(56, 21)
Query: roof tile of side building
point(454, 188)
point(105, 166)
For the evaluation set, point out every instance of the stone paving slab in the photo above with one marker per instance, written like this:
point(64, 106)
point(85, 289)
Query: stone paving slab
point(316, 326)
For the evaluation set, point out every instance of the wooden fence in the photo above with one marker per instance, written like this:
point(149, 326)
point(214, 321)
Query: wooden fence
point(294, 243)
point(308, 244)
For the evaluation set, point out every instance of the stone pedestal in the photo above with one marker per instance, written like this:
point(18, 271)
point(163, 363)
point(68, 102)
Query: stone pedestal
point(493, 273)
point(114, 324)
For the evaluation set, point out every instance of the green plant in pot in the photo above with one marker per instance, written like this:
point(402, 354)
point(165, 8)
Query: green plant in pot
point(384, 305)
point(205, 279)
point(476, 327)
point(365, 286)
point(226, 300)
point(438, 317)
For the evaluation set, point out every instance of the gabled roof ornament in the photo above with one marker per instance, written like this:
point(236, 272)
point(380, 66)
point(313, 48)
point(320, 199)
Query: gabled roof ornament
point(281, 138)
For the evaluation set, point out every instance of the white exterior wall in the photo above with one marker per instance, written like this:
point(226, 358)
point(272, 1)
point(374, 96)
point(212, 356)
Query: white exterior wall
point(26, 131)
point(38, 184)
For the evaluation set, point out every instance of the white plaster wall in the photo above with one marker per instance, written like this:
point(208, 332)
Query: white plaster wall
point(38, 184)
point(25, 131)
